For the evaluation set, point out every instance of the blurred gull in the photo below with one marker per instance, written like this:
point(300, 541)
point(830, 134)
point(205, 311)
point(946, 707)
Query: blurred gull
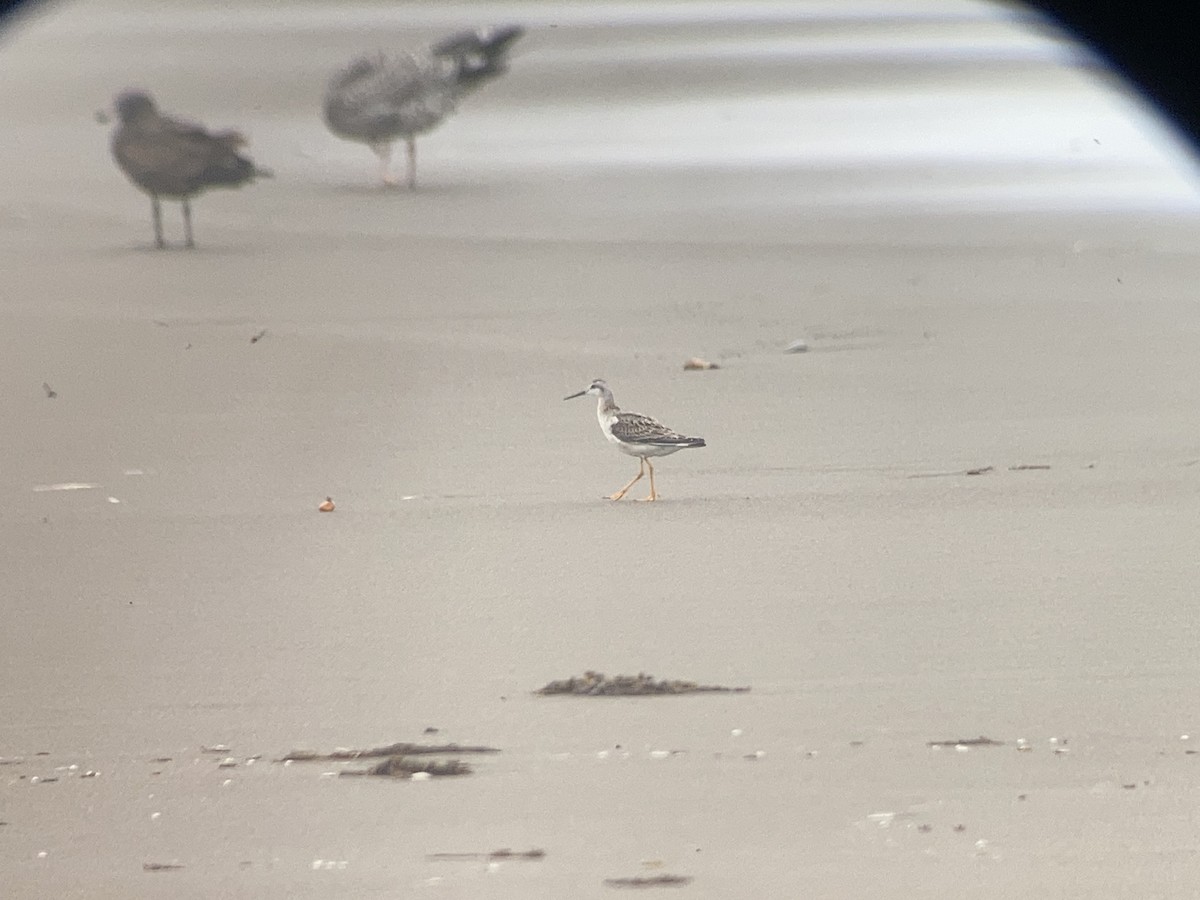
point(170, 158)
point(378, 99)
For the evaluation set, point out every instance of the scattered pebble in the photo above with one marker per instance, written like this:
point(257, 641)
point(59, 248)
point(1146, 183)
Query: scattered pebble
point(327, 506)
point(227, 763)
point(797, 346)
point(698, 364)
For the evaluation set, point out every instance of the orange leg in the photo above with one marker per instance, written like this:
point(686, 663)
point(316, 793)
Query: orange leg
point(641, 468)
point(653, 493)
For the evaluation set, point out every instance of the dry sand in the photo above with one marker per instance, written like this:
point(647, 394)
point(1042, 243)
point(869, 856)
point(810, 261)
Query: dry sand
point(416, 351)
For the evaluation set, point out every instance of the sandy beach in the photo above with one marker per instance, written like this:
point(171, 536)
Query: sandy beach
point(992, 255)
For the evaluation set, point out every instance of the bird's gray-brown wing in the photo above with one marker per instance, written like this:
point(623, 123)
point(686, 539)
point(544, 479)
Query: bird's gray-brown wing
point(174, 158)
point(632, 428)
point(381, 98)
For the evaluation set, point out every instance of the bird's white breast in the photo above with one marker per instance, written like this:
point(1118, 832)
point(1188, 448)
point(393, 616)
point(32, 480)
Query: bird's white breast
point(606, 422)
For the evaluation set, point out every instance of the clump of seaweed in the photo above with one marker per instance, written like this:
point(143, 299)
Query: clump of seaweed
point(402, 748)
point(649, 881)
point(980, 741)
point(537, 853)
point(597, 684)
point(407, 767)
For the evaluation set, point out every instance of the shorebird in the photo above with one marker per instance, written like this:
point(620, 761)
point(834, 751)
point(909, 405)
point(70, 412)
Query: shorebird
point(177, 160)
point(380, 98)
point(637, 435)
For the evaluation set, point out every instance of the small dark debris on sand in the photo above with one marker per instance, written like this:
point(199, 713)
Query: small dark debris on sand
point(978, 470)
point(597, 684)
point(535, 854)
point(1028, 467)
point(980, 741)
point(649, 881)
point(407, 767)
point(258, 336)
point(399, 749)
point(161, 867)
point(51, 393)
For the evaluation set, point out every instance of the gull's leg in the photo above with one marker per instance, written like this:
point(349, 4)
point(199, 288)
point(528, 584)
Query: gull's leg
point(653, 493)
point(156, 215)
point(621, 493)
point(187, 224)
point(384, 151)
point(412, 163)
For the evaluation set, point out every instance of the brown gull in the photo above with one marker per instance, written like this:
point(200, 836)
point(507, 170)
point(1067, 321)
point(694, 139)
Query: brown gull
point(170, 158)
point(381, 98)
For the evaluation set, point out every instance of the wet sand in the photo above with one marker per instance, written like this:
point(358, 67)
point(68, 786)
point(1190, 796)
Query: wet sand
point(826, 548)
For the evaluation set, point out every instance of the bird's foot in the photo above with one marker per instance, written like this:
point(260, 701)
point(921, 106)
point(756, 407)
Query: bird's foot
point(617, 496)
point(649, 499)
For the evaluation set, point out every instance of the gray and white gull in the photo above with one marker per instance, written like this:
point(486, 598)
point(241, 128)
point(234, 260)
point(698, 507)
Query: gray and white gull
point(381, 98)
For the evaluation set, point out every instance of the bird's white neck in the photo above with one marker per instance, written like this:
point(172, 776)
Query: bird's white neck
point(606, 410)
